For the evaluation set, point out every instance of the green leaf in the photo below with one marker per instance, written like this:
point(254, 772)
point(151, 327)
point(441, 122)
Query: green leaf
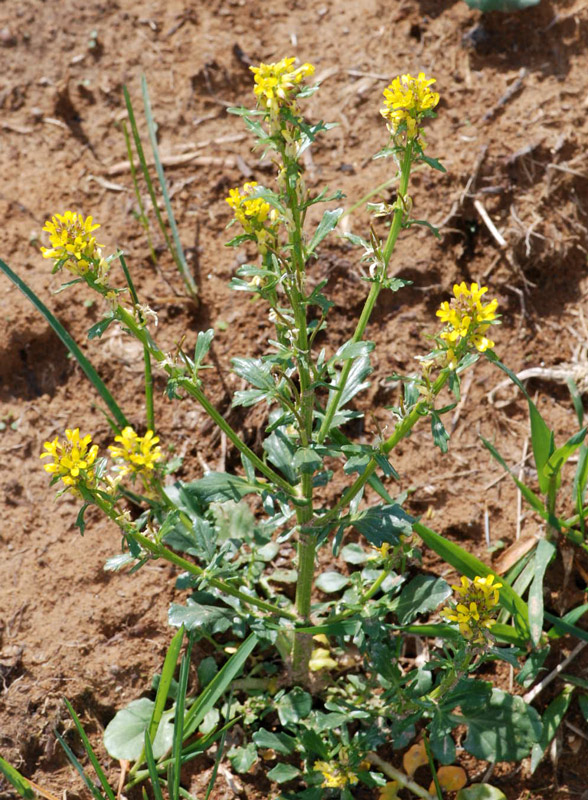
point(214, 487)
point(467, 564)
point(307, 460)
point(218, 685)
point(280, 452)
point(440, 435)
point(254, 371)
point(67, 340)
point(579, 485)
point(331, 582)
point(424, 593)
point(197, 617)
point(552, 719)
point(480, 791)
point(532, 499)
point(381, 524)
point(125, 734)
point(206, 670)
point(282, 773)
point(243, 758)
point(294, 706)
point(434, 162)
point(543, 555)
point(501, 5)
point(576, 400)
point(354, 554)
point(559, 456)
point(503, 729)
point(167, 674)
point(353, 349)
point(177, 251)
point(280, 742)
point(325, 226)
point(96, 331)
point(20, 783)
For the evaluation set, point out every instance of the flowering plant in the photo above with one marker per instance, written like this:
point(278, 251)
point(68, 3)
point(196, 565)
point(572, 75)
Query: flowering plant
point(328, 689)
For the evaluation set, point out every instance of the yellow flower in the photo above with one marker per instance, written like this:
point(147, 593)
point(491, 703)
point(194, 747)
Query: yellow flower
point(466, 317)
point(473, 614)
point(73, 460)
point(255, 215)
point(335, 776)
point(73, 246)
point(136, 454)
point(275, 84)
point(407, 100)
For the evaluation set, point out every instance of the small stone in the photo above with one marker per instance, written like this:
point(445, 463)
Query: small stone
point(6, 38)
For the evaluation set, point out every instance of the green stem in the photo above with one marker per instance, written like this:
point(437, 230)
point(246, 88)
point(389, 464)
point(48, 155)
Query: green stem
point(144, 337)
point(149, 408)
point(432, 766)
point(376, 287)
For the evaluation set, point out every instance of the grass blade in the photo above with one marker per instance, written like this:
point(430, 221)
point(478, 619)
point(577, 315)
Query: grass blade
point(179, 723)
point(152, 767)
point(91, 755)
point(218, 685)
point(220, 751)
point(545, 552)
point(552, 719)
point(14, 778)
point(179, 256)
point(90, 372)
point(167, 674)
point(96, 794)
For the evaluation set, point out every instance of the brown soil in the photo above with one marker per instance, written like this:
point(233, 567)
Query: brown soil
point(67, 628)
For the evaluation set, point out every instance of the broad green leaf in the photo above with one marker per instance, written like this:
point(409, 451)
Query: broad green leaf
point(197, 617)
point(325, 226)
point(356, 381)
point(381, 524)
point(532, 666)
point(354, 554)
point(467, 564)
point(543, 555)
point(294, 706)
point(307, 460)
point(440, 435)
point(552, 719)
point(96, 331)
point(331, 581)
point(255, 371)
point(214, 487)
point(503, 729)
point(14, 778)
point(282, 773)
point(280, 742)
point(243, 758)
point(424, 593)
point(353, 349)
point(481, 791)
point(125, 734)
point(280, 452)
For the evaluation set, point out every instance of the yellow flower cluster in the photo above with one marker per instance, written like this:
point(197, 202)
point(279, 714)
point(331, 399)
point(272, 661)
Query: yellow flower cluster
point(406, 100)
point(74, 247)
point(135, 454)
point(255, 215)
point(275, 84)
point(473, 614)
point(335, 776)
point(466, 317)
point(73, 460)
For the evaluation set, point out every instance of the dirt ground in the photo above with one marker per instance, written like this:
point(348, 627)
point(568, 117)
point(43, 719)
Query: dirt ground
point(512, 132)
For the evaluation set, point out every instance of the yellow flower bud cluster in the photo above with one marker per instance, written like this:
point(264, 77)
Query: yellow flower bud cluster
point(276, 84)
point(73, 460)
point(406, 100)
point(473, 613)
point(135, 454)
point(255, 215)
point(335, 776)
point(74, 247)
point(465, 317)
